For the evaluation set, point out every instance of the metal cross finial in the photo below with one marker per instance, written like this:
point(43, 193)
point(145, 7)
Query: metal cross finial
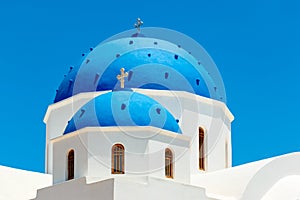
point(121, 77)
point(138, 24)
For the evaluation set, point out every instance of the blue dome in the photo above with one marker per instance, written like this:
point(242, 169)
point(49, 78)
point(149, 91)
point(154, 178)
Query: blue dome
point(123, 108)
point(151, 64)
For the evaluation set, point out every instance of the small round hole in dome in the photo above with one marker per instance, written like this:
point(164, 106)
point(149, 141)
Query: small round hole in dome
point(155, 43)
point(117, 55)
point(197, 81)
point(149, 54)
point(166, 75)
point(158, 110)
point(130, 42)
point(176, 57)
point(123, 106)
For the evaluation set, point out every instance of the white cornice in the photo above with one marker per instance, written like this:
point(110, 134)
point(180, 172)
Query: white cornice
point(145, 130)
point(148, 92)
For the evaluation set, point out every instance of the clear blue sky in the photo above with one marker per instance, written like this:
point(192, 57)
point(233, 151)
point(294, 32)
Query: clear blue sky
point(255, 44)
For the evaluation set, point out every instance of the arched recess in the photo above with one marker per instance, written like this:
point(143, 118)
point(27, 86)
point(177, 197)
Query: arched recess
point(169, 165)
point(117, 159)
point(201, 150)
point(270, 174)
point(70, 164)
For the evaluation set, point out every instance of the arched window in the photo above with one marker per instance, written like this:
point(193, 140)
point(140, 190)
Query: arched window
point(117, 160)
point(168, 163)
point(201, 149)
point(70, 165)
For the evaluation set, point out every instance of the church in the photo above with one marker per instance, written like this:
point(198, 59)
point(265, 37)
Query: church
point(144, 116)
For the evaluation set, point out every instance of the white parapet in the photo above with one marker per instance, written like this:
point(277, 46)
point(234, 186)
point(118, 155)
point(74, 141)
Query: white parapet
point(19, 184)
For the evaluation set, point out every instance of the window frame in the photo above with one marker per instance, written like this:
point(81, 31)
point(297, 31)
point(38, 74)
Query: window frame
point(201, 149)
point(115, 159)
point(169, 163)
point(70, 164)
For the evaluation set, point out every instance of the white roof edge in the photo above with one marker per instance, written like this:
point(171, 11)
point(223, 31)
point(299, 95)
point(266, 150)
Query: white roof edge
point(182, 94)
point(110, 129)
point(7, 168)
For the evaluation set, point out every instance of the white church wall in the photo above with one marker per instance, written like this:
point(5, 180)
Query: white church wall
point(216, 146)
point(142, 156)
point(61, 147)
point(100, 150)
point(157, 160)
point(181, 157)
point(216, 134)
point(93, 147)
point(193, 112)
point(190, 127)
point(49, 158)
point(228, 147)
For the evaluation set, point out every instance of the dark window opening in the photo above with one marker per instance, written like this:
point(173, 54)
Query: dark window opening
point(71, 165)
point(201, 149)
point(117, 162)
point(168, 163)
